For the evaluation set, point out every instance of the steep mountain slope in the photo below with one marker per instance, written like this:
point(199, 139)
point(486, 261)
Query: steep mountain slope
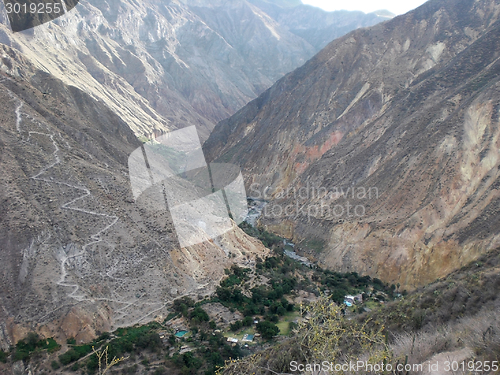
point(381, 154)
point(166, 65)
point(315, 25)
point(77, 253)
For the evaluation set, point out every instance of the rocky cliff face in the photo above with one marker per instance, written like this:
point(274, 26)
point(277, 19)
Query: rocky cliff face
point(78, 254)
point(381, 154)
point(165, 65)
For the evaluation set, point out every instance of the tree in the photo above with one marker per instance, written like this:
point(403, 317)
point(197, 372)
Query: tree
point(281, 311)
point(32, 340)
point(3, 356)
point(182, 304)
point(267, 329)
point(235, 326)
point(224, 294)
point(171, 340)
point(247, 321)
point(199, 315)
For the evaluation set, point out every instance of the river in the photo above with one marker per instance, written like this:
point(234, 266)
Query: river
point(256, 206)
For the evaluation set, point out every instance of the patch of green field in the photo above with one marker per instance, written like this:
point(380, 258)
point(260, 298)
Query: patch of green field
point(284, 324)
point(284, 328)
point(371, 304)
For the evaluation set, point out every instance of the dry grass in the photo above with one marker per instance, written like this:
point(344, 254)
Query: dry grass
point(479, 333)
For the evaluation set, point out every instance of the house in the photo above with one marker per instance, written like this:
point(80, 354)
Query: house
point(248, 338)
point(349, 301)
point(232, 339)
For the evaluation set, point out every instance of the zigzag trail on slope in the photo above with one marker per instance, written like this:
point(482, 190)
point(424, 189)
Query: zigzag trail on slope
point(95, 238)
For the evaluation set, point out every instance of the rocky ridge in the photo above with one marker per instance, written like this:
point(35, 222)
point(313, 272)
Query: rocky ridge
point(165, 65)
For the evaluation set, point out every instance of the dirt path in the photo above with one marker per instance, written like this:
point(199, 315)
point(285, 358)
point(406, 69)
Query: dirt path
point(27, 127)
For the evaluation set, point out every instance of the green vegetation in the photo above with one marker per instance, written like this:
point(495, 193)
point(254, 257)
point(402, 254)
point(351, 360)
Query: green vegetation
point(325, 335)
point(211, 352)
point(75, 353)
point(204, 349)
point(389, 332)
point(453, 313)
point(287, 277)
point(267, 329)
point(269, 240)
point(171, 316)
point(31, 344)
point(198, 315)
point(267, 300)
point(236, 276)
point(3, 356)
point(342, 284)
point(126, 340)
point(181, 305)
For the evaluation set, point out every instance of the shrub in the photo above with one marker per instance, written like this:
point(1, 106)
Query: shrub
point(104, 336)
point(75, 366)
point(3, 356)
point(21, 355)
point(67, 357)
point(160, 371)
point(52, 346)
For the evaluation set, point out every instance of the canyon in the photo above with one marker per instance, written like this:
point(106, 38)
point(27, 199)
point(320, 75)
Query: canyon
point(380, 154)
point(166, 65)
point(79, 254)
